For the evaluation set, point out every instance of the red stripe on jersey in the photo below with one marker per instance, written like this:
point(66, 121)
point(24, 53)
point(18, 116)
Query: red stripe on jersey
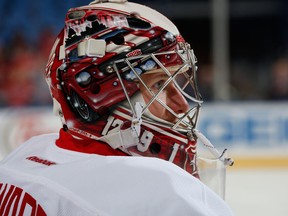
point(67, 141)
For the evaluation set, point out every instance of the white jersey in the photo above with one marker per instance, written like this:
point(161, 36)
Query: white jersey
point(40, 178)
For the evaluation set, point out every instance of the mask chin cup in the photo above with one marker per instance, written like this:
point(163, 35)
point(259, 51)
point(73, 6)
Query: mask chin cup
point(212, 172)
point(212, 164)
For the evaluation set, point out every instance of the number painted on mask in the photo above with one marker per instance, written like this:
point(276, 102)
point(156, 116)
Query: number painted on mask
point(145, 141)
point(114, 123)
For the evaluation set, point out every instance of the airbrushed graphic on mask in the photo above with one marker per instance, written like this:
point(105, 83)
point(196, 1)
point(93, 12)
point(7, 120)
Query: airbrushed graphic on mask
point(164, 143)
point(119, 78)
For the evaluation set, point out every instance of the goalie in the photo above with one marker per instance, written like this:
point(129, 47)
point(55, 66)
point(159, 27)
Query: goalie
point(123, 82)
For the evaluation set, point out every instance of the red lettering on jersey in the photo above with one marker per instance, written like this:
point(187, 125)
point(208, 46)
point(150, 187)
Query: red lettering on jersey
point(2, 193)
point(15, 196)
point(11, 202)
point(5, 198)
point(39, 160)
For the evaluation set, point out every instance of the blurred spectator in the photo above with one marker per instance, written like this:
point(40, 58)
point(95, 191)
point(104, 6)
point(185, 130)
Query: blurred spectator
point(279, 80)
point(23, 55)
point(43, 46)
point(243, 85)
point(205, 78)
point(21, 71)
point(18, 83)
point(2, 68)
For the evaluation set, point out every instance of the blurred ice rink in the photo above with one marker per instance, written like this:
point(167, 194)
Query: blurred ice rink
point(258, 192)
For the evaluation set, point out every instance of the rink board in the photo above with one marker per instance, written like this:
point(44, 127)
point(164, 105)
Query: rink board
point(255, 134)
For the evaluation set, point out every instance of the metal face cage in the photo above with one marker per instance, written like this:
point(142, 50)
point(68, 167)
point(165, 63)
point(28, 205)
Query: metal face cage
point(178, 68)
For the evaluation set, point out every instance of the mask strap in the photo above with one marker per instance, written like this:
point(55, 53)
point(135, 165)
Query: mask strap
point(127, 137)
point(137, 120)
point(212, 149)
point(120, 139)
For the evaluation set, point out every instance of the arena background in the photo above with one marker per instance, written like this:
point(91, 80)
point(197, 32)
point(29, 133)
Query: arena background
point(242, 43)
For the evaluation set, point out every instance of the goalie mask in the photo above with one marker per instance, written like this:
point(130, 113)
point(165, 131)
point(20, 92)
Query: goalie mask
point(121, 73)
